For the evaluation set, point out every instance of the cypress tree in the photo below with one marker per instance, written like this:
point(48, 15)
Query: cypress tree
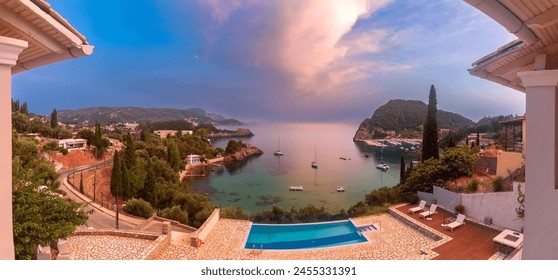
point(81, 183)
point(173, 155)
point(54, 119)
point(98, 141)
point(24, 109)
point(478, 139)
point(451, 140)
point(130, 151)
point(148, 192)
point(125, 180)
point(430, 133)
point(116, 177)
point(402, 174)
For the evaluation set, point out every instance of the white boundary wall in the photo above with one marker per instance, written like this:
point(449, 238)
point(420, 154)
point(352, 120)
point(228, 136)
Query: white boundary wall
point(499, 206)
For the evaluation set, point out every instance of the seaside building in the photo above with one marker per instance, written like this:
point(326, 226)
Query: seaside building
point(193, 159)
point(32, 34)
point(165, 133)
point(72, 144)
point(530, 65)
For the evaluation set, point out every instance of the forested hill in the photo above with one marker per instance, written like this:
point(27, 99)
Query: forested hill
point(399, 115)
point(106, 115)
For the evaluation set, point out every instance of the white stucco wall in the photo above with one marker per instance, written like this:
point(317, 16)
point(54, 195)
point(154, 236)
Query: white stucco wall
point(499, 206)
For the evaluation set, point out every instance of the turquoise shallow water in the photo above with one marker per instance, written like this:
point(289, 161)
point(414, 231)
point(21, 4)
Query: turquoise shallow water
point(262, 181)
point(303, 236)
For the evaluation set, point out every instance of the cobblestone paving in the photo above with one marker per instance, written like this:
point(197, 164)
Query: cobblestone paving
point(106, 247)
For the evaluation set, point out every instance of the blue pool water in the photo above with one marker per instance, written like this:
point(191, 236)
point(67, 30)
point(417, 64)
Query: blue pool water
point(303, 236)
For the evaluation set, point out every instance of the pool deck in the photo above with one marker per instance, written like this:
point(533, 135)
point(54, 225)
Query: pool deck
point(470, 241)
point(393, 241)
point(400, 236)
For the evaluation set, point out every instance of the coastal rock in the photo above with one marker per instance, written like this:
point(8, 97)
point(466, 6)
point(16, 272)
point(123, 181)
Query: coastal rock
point(239, 132)
point(247, 150)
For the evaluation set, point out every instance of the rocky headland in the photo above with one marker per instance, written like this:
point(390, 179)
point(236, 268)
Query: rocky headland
point(244, 151)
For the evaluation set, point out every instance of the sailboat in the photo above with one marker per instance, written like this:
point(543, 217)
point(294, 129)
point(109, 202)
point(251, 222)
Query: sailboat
point(278, 151)
point(315, 162)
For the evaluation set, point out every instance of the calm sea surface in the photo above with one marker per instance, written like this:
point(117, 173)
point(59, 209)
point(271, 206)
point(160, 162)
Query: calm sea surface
point(263, 181)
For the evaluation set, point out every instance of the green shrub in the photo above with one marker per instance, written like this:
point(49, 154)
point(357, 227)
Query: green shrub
point(175, 213)
point(473, 186)
point(382, 196)
point(498, 184)
point(64, 151)
point(139, 207)
point(459, 208)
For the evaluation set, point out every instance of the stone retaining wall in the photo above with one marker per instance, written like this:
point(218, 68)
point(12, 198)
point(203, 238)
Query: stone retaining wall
point(199, 236)
point(157, 248)
point(119, 233)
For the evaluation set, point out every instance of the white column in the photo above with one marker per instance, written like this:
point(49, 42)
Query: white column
point(9, 51)
point(541, 164)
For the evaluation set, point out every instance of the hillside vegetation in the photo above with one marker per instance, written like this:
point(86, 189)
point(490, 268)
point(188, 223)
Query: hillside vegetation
point(399, 115)
point(105, 115)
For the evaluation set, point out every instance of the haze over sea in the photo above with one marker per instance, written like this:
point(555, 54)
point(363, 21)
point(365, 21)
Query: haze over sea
point(263, 181)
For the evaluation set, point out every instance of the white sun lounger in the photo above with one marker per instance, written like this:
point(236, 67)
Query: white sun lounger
point(429, 212)
point(458, 222)
point(419, 208)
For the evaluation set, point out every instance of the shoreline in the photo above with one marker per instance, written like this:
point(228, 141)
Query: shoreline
point(187, 170)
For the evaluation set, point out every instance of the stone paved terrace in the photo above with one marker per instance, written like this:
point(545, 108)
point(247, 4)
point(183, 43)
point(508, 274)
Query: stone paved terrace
point(394, 241)
point(107, 247)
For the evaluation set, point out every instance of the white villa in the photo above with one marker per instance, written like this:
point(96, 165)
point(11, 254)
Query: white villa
point(193, 159)
point(530, 65)
point(32, 34)
point(72, 144)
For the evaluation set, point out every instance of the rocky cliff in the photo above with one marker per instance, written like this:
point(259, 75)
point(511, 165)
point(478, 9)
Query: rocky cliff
point(247, 150)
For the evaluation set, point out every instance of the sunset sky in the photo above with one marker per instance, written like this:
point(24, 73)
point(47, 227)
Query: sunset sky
point(286, 60)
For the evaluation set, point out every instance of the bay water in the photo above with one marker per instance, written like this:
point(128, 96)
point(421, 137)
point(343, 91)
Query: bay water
point(262, 181)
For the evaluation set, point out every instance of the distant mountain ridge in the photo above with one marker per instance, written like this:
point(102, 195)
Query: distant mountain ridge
point(398, 115)
point(105, 115)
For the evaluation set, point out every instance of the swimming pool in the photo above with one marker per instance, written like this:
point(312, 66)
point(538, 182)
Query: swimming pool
point(303, 236)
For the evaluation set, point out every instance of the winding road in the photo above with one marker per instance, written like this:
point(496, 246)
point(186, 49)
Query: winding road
point(99, 217)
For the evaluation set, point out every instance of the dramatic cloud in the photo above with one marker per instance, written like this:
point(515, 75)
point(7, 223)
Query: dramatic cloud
point(311, 43)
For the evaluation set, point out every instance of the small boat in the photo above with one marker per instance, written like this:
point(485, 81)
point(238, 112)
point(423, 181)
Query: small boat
point(340, 189)
point(382, 166)
point(296, 188)
point(278, 151)
point(314, 164)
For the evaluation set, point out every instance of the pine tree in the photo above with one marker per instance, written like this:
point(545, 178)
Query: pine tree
point(430, 134)
point(402, 174)
point(54, 119)
point(116, 177)
point(81, 183)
